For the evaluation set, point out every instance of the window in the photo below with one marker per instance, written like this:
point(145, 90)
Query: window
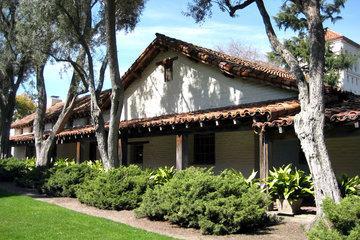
point(137, 154)
point(168, 72)
point(167, 63)
point(204, 148)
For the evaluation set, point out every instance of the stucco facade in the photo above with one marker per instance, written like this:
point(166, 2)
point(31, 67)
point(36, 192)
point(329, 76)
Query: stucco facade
point(195, 86)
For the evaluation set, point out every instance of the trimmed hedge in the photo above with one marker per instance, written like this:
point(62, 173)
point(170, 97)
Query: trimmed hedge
point(12, 168)
point(217, 204)
point(65, 179)
point(118, 189)
point(342, 221)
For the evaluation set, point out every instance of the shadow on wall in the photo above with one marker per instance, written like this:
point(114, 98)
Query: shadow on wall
point(191, 89)
point(195, 86)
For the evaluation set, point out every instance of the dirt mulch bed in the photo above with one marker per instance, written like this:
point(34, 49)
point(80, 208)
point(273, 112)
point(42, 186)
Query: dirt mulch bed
point(290, 228)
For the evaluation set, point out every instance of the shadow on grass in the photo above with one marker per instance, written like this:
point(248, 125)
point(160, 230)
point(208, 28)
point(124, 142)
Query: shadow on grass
point(9, 189)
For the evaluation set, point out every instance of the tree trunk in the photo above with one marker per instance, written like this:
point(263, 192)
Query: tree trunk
point(7, 113)
point(309, 123)
point(39, 124)
point(117, 93)
point(44, 146)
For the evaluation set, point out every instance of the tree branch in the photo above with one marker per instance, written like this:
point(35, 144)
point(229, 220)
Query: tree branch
point(102, 74)
point(280, 49)
point(234, 8)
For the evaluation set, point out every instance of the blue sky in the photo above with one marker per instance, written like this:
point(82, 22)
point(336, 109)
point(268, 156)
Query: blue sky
point(166, 17)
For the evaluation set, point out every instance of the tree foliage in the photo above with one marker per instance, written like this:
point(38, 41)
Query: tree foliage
point(15, 68)
point(24, 106)
point(299, 47)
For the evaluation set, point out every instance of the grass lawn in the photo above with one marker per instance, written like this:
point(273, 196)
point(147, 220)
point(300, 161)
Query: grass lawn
point(22, 217)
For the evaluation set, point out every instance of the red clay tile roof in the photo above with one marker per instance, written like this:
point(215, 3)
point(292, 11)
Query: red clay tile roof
point(340, 112)
point(269, 109)
point(277, 114)
point(230, 65)
point(82, 108)
point(331, 35)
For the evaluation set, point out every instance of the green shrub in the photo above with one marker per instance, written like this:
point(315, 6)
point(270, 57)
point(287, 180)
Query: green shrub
point(342, 221)
point(120, 188)
point(33, 178)
point(65, 179)
point(217, 204)
point(349, 185)
point(288, 183)
point(11, 168)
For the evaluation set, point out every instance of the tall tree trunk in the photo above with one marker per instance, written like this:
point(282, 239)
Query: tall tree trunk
point(96, 111)
point(44, 146)
point(309, 123)
point(39, 123)
point(6, 116)
point(117, 88)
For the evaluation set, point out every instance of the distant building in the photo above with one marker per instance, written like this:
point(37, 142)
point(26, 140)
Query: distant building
point(349, 78)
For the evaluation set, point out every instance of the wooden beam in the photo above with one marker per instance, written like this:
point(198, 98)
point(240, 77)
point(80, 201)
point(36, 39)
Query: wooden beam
point(182, 151)
point(264, 154)
point(78, 152)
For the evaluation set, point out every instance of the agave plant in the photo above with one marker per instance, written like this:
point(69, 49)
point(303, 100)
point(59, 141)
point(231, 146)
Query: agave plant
point(162, 175)
point(349, 185)
point(288, 183)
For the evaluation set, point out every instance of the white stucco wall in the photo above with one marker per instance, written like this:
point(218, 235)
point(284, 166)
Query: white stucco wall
point(195, 86)
point(80, 122)
point(16, 131)
point(27, 130)
point(349, 78)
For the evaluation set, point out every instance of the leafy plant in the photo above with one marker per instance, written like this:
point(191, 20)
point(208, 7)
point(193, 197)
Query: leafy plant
point(349, 185)
point(96, 165)
point(64, 162)
point(288, 183)
point(342, 221)
point(162, 175)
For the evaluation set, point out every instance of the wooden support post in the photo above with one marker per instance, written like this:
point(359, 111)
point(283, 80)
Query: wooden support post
point(123, 150)
point(264, 153)
point(182, 151)
point(78, 152)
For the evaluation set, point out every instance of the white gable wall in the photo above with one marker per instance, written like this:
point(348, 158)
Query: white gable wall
point(195, 86)
point(350, 78)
